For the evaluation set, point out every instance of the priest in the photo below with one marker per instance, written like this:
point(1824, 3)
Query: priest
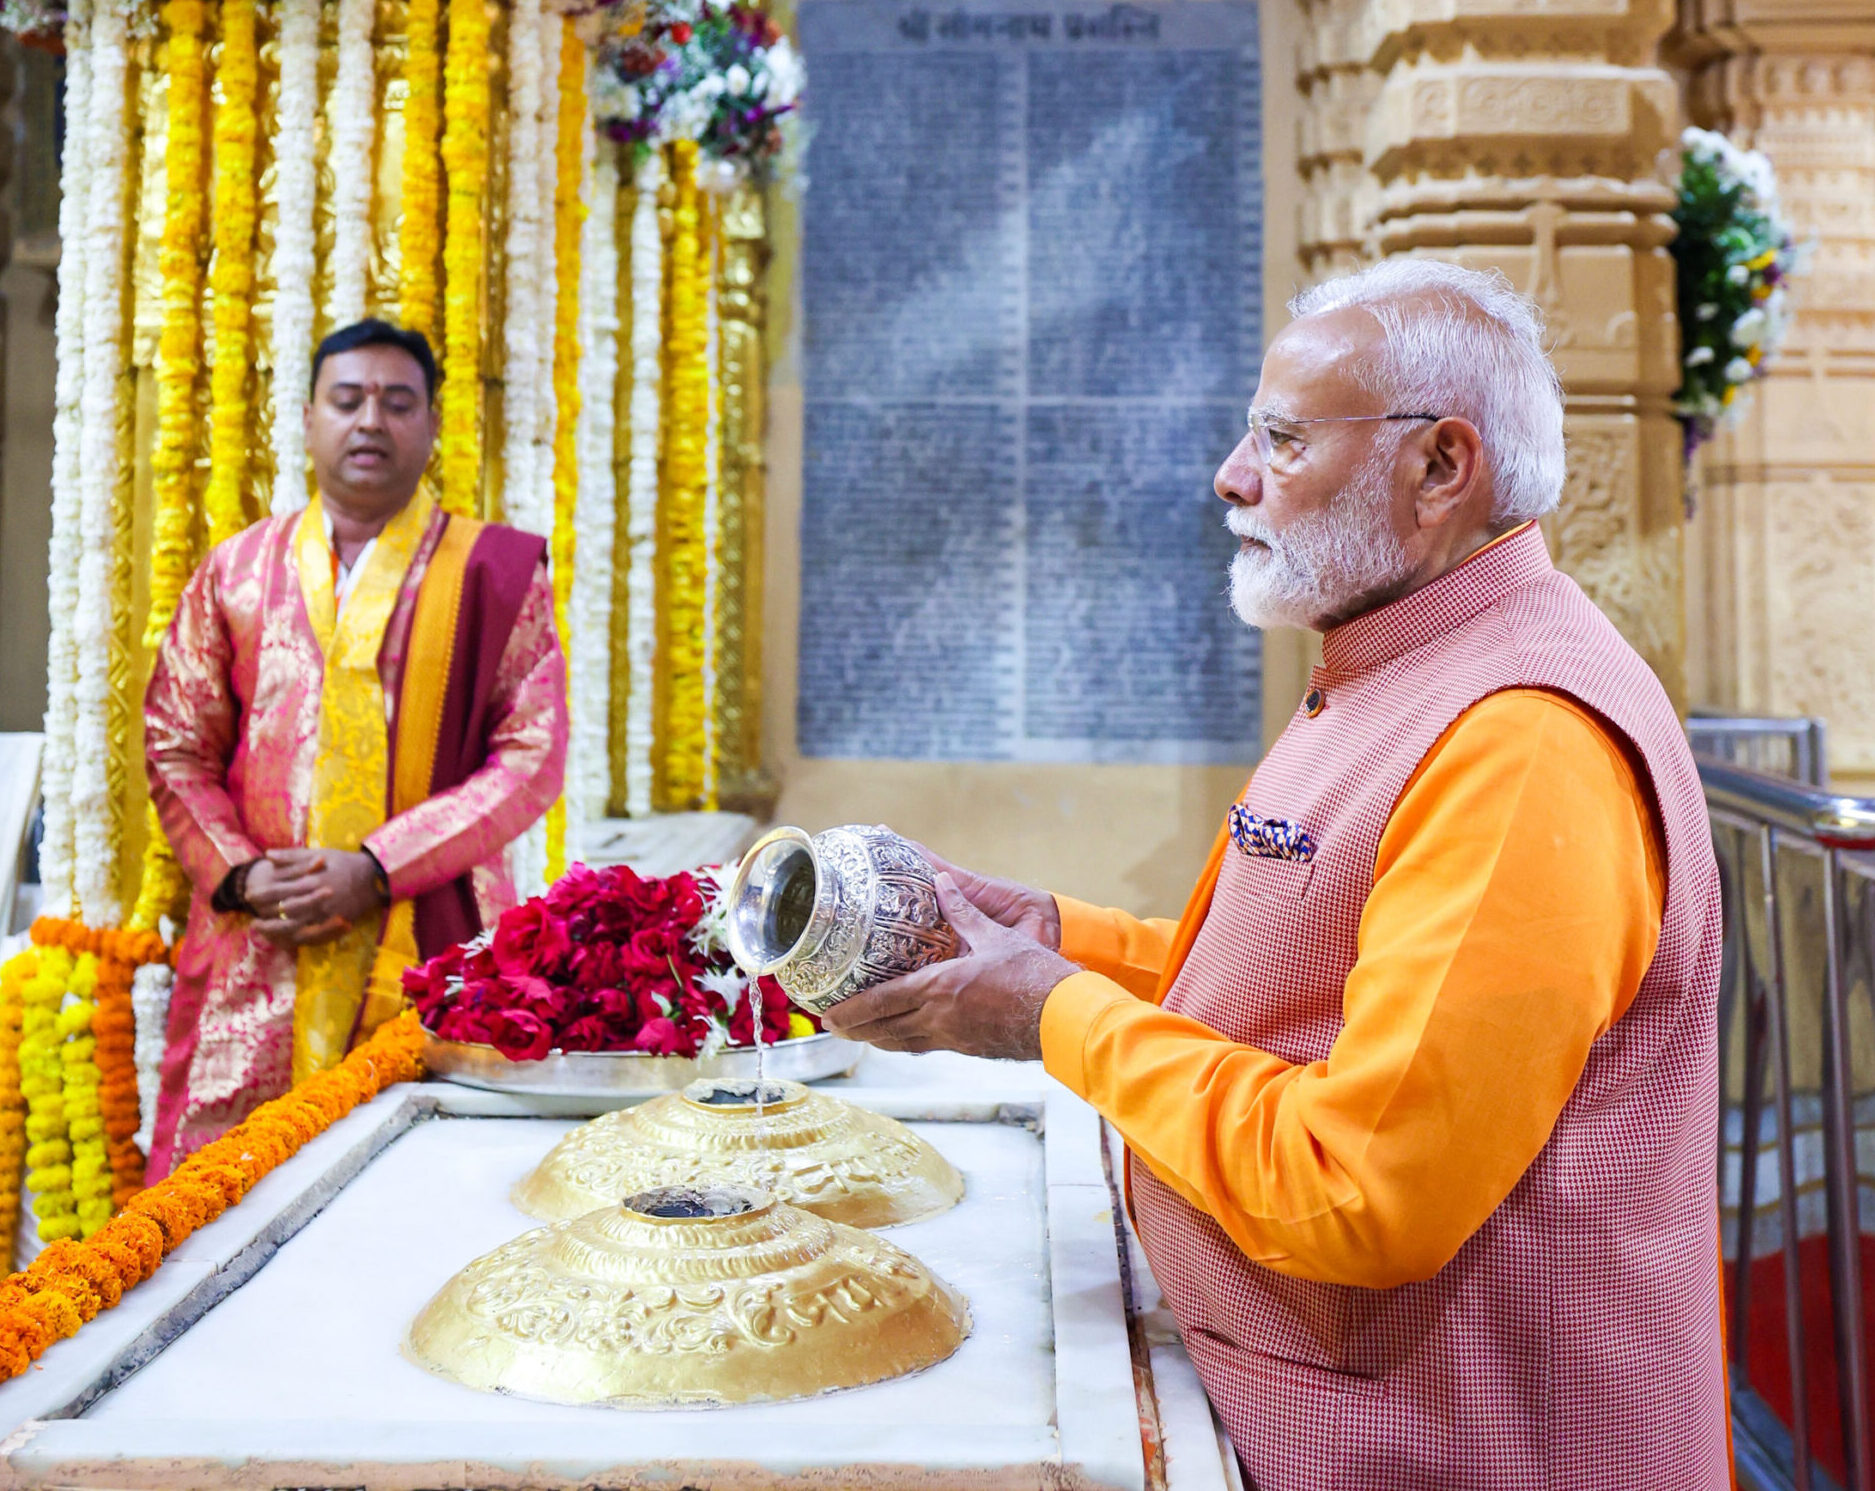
point(356, 709)
point(1420, 1094)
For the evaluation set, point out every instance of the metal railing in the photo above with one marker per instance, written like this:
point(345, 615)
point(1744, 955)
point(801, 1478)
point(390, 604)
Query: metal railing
point(1797, 1139)
point(1790, 747)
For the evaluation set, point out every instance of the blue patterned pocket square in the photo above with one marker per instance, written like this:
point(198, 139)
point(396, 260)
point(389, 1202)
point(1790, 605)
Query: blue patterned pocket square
point(1269, 838)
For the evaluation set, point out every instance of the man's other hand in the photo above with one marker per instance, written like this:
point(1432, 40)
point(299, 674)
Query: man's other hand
point(1008, 903)
point(985, 1002)
point(302, 896)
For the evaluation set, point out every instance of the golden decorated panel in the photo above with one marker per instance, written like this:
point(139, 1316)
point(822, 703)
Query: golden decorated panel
point(688, 1297)
point(840, 1161)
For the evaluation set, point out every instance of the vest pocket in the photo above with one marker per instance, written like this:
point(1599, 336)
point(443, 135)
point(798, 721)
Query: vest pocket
point(1267, 879)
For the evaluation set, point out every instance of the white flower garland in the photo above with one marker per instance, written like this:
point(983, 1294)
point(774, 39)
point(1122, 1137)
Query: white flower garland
point(546, 254)
point(589, 610)
point(647, 251)
point(712, 537)
point(293, 246)
point(150, 988)
point(524, 368)
point(55, 850)
point(94, 816)
point(352, 113)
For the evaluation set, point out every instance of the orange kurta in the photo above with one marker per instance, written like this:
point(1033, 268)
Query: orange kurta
point(1517, 902)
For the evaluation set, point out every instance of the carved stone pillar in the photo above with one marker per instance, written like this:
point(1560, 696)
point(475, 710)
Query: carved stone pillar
point(1784, 537)
point(1497, 134)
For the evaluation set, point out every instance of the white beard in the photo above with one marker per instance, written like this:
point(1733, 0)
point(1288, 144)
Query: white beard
point(1325, 567)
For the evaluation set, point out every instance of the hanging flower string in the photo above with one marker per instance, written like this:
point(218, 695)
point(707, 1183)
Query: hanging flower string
point(178, 367)
point(178, 352)
point(569, 217)
point(295, 248)
point(71, 1282)
point(423, 177)
point(465, 167)
point(232, 277)
point(681, 537)
point(1735, 253)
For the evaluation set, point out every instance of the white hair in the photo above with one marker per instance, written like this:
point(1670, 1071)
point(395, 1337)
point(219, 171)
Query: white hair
point(1461, 342)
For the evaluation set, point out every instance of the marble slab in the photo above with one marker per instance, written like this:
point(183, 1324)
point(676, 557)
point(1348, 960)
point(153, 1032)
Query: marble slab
point(294, 1376)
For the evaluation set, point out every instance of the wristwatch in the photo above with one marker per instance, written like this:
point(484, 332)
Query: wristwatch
point(380, 881)
point(231, 894)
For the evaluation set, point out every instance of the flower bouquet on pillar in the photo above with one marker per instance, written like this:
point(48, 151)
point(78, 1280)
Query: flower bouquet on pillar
point(612, 983)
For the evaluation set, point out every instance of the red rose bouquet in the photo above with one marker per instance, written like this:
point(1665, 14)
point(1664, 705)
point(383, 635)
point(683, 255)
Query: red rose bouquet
point(606, 960)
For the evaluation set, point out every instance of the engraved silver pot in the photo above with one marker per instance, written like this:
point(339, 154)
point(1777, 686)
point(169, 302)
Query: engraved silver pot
point(832, 913)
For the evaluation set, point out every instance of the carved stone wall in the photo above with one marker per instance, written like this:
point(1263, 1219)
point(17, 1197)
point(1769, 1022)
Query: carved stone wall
point(1783, 543)
point(1525, 135)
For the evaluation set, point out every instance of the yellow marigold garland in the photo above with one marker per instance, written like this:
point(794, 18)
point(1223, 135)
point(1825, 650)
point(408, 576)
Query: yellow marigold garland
point(84, 1119)
point(232, 277)
point(178, 352)
point(72, 1282)
point(42, 1081)
point(13, 976)
point(569, 217)
point(682, 543)
point(423, 170)
point(465, 167)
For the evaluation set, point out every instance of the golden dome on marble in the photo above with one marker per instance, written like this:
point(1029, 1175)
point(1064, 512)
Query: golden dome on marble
point(688, 1297)
point(839, 1161)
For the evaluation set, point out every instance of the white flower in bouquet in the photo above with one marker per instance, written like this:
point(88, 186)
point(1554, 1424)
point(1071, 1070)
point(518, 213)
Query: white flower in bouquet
point(719, 176)
point(736, 80)
point(783, 76)
point(1739, 371)
point(1749, 329)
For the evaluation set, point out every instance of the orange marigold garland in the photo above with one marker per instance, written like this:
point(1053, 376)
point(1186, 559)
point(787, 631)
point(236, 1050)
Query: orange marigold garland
point(72, 1282)
point(100, 1115)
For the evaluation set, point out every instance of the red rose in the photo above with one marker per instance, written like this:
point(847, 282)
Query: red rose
point(662, 1038)
point(464, 1025)
point(518, 1035)
point(577, 889)
point(529, 939)
point(681, 32)
point(596, 965)
point(588, 1033)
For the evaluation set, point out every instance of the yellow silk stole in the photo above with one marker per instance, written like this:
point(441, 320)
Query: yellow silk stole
point(347, 986)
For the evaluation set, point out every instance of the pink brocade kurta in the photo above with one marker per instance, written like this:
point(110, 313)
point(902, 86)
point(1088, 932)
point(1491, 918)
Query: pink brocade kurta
point(231, 729)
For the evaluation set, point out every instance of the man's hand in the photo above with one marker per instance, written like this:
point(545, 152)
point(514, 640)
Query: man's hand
point(1008, 903)
point(302, 896)
point(986, 1002)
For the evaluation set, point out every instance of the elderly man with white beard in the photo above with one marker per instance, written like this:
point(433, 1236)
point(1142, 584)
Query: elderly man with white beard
point(1419, 1095)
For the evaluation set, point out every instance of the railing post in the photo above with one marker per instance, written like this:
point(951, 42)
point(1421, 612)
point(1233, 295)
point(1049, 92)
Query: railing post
point(1844, 1198)
point(1786, 1167)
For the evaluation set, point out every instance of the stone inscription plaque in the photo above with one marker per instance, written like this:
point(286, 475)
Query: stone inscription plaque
point(1031, 272)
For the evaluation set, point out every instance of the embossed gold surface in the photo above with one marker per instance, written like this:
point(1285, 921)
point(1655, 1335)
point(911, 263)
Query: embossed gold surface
point(758, 1302)
point(841, 1162)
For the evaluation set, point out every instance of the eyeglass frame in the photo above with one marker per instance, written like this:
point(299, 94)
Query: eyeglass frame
point(1258, 422)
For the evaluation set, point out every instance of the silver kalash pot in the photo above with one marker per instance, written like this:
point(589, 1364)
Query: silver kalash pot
point(832, 913)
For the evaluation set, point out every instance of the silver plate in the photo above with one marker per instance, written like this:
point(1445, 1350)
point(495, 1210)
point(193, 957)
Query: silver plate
point(605, 1074)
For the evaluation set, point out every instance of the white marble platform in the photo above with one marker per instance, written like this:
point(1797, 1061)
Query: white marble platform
point(265, 1352)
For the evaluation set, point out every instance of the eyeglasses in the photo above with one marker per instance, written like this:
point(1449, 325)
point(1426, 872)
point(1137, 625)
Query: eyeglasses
point(1279, 439)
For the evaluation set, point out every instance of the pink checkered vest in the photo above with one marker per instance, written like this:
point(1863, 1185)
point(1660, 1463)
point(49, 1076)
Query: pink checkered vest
point(1574, 1341)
